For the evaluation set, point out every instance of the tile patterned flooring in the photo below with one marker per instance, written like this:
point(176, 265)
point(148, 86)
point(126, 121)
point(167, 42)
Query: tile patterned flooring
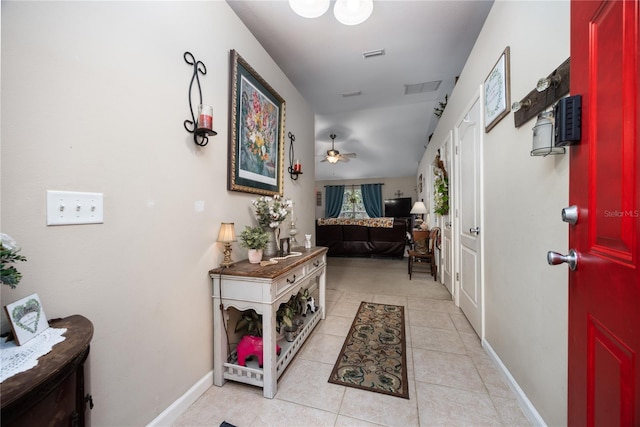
point(452, 381)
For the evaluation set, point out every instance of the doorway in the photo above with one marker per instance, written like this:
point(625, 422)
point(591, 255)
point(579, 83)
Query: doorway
point(468, 146)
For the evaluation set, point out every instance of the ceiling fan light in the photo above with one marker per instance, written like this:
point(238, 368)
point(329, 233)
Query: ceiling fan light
point(352, 12)
point(309, 8)
point(332, 159)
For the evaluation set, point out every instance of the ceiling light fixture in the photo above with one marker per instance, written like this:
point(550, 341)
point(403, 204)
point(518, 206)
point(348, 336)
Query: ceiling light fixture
point(347, 12)
point(309, 8)
point(352, 12)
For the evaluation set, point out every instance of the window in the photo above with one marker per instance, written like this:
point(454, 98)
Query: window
point(352, 205)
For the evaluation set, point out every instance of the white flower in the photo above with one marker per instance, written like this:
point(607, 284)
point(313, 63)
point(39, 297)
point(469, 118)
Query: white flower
point(9, 243)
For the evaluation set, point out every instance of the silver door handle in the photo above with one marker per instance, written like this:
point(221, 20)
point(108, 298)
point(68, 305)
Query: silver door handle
point(475, 231)
point(447, 224)
point(570, 214)
point(554, 258)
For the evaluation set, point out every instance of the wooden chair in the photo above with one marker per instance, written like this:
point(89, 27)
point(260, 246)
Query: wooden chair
point(422, 251)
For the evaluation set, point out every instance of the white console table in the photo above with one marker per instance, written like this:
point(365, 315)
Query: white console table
point(245, 286)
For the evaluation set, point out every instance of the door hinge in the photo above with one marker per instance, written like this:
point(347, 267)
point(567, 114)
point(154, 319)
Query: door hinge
point(457, 277)
point(456, 149)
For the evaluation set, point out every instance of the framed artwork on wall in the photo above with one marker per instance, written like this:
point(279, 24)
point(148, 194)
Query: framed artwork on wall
point(497, 96)
point(256, 134)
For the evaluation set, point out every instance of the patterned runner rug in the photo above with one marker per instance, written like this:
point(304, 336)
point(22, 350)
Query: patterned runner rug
point(374, 356)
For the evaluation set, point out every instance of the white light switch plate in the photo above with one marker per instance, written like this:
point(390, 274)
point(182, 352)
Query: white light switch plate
point(71, 207)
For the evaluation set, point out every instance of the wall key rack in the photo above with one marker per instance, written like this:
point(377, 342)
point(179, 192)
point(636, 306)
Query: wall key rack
point(548, 91)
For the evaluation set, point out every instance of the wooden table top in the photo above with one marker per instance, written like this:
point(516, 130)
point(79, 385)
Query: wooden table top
point(78, 336)
point(245, 269)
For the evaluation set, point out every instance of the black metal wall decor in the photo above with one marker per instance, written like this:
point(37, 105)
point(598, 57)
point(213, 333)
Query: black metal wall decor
point(201, 128)
point(295, 169)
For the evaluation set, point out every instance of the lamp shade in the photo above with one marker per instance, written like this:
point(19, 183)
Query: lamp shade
point(352, 12)
point(227, 232)
point(419, 208)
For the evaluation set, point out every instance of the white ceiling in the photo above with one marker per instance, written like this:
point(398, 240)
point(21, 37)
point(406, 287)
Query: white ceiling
point(424, 41)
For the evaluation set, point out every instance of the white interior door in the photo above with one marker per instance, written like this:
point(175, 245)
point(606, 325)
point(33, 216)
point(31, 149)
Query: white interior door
point(446, 252)
point(468, 133)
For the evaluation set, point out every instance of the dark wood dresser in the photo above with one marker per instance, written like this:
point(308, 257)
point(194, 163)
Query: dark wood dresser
point(53, 392)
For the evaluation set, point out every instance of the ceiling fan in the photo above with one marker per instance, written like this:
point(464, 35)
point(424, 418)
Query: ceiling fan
point(334, 156)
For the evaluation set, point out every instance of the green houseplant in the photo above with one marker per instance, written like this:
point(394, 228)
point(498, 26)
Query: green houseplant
point(255, 239)
point(250, 323)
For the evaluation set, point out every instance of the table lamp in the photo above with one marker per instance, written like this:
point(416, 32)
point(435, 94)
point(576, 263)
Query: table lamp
point(418, 209)
point(226, 235)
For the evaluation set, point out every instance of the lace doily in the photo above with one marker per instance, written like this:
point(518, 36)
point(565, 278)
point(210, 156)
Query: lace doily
point(15, 359)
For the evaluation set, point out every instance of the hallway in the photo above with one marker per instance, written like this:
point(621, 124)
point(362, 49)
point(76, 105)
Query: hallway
point(452, 381)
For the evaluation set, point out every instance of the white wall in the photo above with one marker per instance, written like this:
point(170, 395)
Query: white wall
point(406, 185)
point(94, 95)
point(525, 299)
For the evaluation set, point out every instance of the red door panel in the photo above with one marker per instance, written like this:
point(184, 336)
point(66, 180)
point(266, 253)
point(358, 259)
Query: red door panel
point(604, 291)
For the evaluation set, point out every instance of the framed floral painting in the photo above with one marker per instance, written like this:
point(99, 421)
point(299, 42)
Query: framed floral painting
point(256, 135)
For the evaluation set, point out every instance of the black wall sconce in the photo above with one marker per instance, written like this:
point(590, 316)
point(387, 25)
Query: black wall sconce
point(548, 90)
point(203, 127)
point(295, 169)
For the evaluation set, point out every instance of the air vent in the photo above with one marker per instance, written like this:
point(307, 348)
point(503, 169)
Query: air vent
point(422, 87)
point(354, 93)
point(372, 53)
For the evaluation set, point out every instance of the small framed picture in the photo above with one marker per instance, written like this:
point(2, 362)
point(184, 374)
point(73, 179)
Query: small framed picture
point(497, 96)
point(27, 318)
point(285, 249)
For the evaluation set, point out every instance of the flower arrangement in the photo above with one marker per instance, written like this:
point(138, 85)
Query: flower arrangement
point(9, 249)
point(254, 238)
point(261, 127)
point(440, 187)
point(271, 211)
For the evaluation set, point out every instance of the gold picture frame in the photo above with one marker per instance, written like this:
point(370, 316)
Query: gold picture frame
point(256, 134)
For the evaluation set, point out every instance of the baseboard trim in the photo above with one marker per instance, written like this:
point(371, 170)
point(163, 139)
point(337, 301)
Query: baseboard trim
point(525, 404)
point(171, 414)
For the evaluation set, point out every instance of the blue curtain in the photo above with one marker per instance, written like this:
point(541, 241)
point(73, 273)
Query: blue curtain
point(334, 196)
point(372, 199)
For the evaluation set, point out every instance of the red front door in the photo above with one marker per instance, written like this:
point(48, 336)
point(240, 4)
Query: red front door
point(604, 290)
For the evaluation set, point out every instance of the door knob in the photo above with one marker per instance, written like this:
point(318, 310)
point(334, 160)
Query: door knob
point(554, 258)
point(570, 214)
point(447, 224)
point(474, 230)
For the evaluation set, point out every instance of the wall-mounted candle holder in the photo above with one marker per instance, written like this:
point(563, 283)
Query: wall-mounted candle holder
point(295, 169)
point(203, 126)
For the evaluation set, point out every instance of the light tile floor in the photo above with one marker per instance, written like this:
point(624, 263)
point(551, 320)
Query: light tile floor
point(452, 381)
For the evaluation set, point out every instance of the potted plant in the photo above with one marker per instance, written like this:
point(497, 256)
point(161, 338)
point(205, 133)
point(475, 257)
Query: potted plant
point(250, 323)
point(255, 239)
